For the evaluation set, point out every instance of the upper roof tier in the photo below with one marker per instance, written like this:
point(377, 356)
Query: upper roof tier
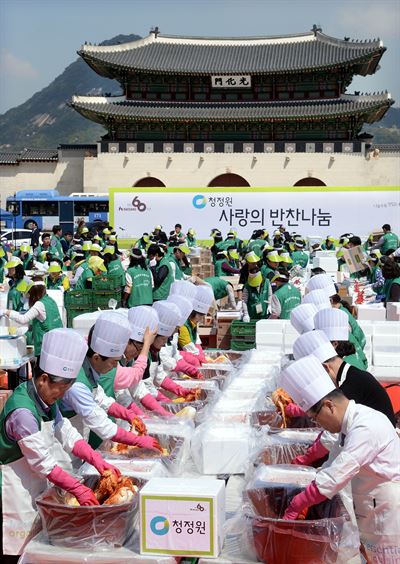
point(169, 54)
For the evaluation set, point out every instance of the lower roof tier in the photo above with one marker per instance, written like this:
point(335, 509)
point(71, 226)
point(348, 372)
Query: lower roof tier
point(119, 110)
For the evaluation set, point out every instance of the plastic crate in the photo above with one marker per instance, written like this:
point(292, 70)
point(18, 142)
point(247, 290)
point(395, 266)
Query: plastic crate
point(242, 345)
point(100, 300)
point(73, 312)
point(104, 282)
point(76, 298)
point(239, 328)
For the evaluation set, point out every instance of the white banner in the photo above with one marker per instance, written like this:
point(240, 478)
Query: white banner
point(309, 211)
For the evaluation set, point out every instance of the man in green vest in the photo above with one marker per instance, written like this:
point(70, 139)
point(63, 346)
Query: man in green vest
point(177, 259)
point(55, 243)
point(86, 403)
point(285, 298)
point(161, 270)
point(44, 247)
point(222, 289)
point(299, 256)
point(256, 295)
point(191, 238)
point(388, 243)
point(31, 428)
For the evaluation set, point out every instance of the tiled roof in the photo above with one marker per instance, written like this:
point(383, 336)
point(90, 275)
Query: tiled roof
point(15, 157)
point(100, 109)
point(188, 55)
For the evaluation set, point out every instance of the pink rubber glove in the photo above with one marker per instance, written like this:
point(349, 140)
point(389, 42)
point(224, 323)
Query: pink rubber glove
point(122, 436)
point(293, 410)
point(173, 387)
point(136, 409)
point(202, 356)
point(186, 368)
point(160, 397)
point(152, 404)
point(191, 358)
point(120, 412)
point(315, 452)
point(310, 496)
point(63, 480)
point(85, 452)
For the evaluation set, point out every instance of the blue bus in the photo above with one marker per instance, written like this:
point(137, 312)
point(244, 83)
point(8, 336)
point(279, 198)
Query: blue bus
point(48, 208)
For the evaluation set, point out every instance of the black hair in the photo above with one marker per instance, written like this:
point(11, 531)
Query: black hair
point(333, 395)
point(68, 233)
point(44, 235)
point(355, 240)
point(90, 351)
point(344, 348)
point(386, 227)
point(220, 255)
point(178, 225)
point(317, 270)
point(53, 379)
point(108, 257)
point(19, 272)
point(390, 269)
point(137, 259)
point(155, 250)
point(56, 229)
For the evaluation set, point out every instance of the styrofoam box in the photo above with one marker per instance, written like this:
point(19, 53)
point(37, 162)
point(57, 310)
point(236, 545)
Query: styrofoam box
point(83, 323)
point(386, 343)
point(223, 449)
point(372, 312)
point(366, 325)
point(271, 325)
point(385, 373)
point(329, 264)
point(386, 359)
point(386, 328)
point(271, 339)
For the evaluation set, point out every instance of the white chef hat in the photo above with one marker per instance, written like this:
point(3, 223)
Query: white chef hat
point(306, 381)
point(302, 317)
point(321, 282)
point(183, 288)
point(140, 318)
point(319, 298)
point(203, 299)
point(316, 343)
point(169, 316)
point(63, 353)
point(334, 323)
point(110, 334)
point(185, 306)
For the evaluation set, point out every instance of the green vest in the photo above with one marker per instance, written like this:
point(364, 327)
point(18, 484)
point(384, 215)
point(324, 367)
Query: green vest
point(359, 355)
point(24, 396)
point(356, 330)
point(51, 285)
point(355, 360)
point(56, 247)
point(142, 291)
point(224, 245)
point(218, 267)
point(162, 292)
point(257, 246)
point(191, 241)
point(289, 298)
point(219, 286)
point(192, 331)
point(115, 269)
point(14, 299)
point(52, 321)
point(178, 269)
point(267, 272)
point(87, 274)
point(300, 258)
point(106, 381)
point(388, 285)
point(257, 297)
point(390, 241)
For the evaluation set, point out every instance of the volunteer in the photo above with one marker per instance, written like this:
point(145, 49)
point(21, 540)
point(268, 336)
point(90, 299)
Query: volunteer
point(224, 263)
point(221, 289)
point(258, 242)
point(374, 275)
point(139, 281)
point(179, 262)
point(285, 298)
point(189, 340)
point(271, 261)
point(256, 296)
point(161, 270)
point(299, 256)
point(114, 266)
point(330, 244)
point(95, 267)
point(34, 435)
point(234, 239)
point(335, 324)
point(98, 241)
point(95, 250)
point(17, 283)
point(158, 235)
point(55, 243)
point(79, 265)
point(86, 404)
point(56, 279)
point(367, 454)
point(191, 238)
point(86, 248)
point(391, 289)
point(26, 256)
point(179, 234)
point(42, 315)
point(388, 243)
point(218, 243)
point(66, 241)
point(143, 242)
point(43, 247)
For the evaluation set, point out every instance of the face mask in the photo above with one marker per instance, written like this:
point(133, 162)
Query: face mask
point(254, 279)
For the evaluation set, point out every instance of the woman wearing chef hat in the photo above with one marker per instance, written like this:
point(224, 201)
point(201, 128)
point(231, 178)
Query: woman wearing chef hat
point(189, 340)
point(34, 435)
point(87, 405)
point(368, 455)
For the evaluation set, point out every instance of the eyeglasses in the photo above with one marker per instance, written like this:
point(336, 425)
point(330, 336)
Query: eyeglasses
point(316, 413)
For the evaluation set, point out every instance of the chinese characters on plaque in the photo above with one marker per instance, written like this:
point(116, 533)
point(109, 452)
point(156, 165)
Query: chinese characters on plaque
point(231, 81)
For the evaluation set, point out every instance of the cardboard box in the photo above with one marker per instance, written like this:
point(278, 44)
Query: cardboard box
point(355, 259)
point(182, 517)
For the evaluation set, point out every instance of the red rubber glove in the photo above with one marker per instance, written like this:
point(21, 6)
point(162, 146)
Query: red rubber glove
point(120, 412)
point(186, 368)
point(122, 436)
point(202, 356)
point(63, 480)
point(293, 410)
point(315, 452)
point(136, 409)
point(173, 387)
point(160, 397)
point(310, 496)
point(85, 452)
point(191, 358)
point(152, 404)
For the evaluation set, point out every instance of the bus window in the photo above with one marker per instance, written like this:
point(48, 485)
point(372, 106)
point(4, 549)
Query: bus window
point(84, 208)
point(39, 207)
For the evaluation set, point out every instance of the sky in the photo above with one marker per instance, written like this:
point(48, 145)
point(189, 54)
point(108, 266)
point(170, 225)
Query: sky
point(39, 38)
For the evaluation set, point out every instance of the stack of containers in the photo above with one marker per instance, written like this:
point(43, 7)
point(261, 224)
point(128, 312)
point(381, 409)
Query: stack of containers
point(386, 350)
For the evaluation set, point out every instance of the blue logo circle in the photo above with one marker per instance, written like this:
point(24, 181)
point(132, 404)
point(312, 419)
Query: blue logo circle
point(159, 525)
point(199, 201)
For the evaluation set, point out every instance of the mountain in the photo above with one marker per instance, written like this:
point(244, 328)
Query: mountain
point(45, 120)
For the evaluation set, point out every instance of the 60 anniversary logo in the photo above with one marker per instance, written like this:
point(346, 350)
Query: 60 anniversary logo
point(136, 203)
point(199, 201)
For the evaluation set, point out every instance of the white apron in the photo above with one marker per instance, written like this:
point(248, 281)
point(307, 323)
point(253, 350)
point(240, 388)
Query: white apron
point(20, 488)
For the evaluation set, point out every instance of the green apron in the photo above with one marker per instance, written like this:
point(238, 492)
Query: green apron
point(106, 381)
point(257, 297)
point(52, 321)
point(388, 285)
point(115, 269)
point(142, 291)
point(162, 292)
point(87, 274)
point(289, 298)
